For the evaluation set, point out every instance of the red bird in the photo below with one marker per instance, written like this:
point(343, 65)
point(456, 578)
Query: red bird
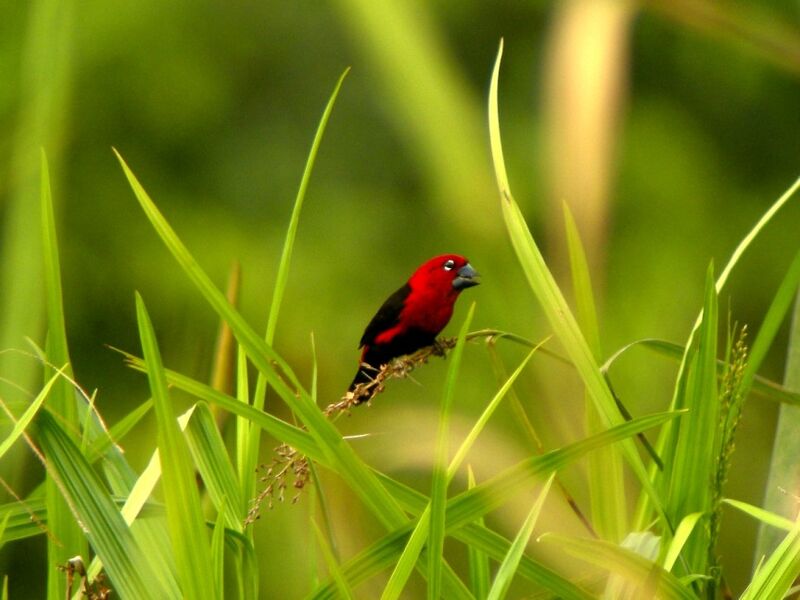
point(413, 316)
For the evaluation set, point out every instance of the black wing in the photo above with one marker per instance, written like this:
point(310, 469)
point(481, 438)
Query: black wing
point(388, 315)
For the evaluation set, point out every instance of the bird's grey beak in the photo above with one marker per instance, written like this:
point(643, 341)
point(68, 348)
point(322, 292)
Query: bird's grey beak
point(467, 277)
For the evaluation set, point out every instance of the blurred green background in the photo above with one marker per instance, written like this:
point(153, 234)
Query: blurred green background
point(667, 128)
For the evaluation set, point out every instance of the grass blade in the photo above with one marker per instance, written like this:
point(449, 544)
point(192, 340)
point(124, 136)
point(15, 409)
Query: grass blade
point(689, 467)
point(783, 471)
point(682, 533)
point(773, 580)
point(22, 423)
point(333, 567)
point(71, 541)
point(479, 575)
point(761, 386)
point(765, 516)
point(184, 517)
point(127, 566)
point(440, 475)
point(604, 472)
point(211, 457)
point(651, 580)
point(510, 563)
point(282, 277)
point(552, 301)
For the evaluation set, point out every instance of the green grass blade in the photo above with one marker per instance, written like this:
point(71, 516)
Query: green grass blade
point(333, 566)
point(783, 472)
point(552, 301)
point(282, 275)
point(185, 521)
point(761, 386)
point(765, 516)
point(694, 457)
point(440, 475)
point(775, 315)
point(128, 568)
point(479, 576)
point(651, 580)
point(773, 580)
point(211, 457)
point(279, 429)
point(408, 558)
point(245, 463)
point(22, 424)
point(286, 254)
point(604, 472)
point(682, 533)
point(70, 538)
point(218, 551)
point(100, 446)
point(510, 563)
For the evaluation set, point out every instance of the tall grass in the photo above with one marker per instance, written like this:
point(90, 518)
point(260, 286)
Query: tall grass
point(150, 534)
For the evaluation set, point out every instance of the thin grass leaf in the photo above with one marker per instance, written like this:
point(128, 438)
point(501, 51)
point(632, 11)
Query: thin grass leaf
point(440, 475)
point(761, 386)
point(282, 275)
point(322, 498)
point(279, 429)
point(783, 471)
point(184, 516)
point(691, 465)
point(765, 516)
point(63, 401)
point(129, 569)
point(333, 566)
point(71, 541)
point(479, 575)
point(218, 550)
point(651, 580)
point(120, 429)
point(211, 458)
point(508, 567)
point(22, 423)
point(3, 524)
point(606, 483)
point(244, 463)
point(552, 301)
point(776, 313)
point(682, 533)
point(777, 574)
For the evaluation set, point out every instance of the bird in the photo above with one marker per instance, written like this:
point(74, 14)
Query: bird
point(413, 316)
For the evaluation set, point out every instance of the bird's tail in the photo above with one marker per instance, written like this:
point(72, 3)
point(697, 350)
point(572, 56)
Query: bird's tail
point(362, 376)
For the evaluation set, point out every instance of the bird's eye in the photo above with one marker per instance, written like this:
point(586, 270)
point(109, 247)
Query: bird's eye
point(449, 265)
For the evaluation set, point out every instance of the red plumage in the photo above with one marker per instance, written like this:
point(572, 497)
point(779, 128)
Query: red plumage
point(413, 316)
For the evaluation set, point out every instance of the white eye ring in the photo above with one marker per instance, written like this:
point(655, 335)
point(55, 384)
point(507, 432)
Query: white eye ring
point(449, 265)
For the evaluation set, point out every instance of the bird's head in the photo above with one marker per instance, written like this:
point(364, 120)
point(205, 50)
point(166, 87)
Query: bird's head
point(449, 272)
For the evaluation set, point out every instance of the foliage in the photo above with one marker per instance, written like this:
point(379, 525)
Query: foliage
point(166, 501)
